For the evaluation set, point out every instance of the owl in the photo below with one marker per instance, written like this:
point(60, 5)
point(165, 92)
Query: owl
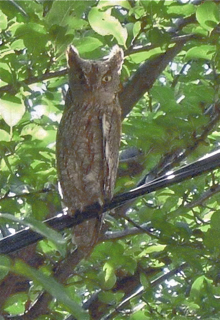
point(88, 138)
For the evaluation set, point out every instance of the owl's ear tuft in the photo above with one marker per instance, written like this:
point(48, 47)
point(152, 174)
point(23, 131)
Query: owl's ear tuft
point(116, 57)
point(72, 56)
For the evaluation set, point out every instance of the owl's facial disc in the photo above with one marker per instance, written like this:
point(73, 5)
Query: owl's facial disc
point(95, 80)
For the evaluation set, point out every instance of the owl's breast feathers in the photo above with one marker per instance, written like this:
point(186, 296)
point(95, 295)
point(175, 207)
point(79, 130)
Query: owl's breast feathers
point(87, 153)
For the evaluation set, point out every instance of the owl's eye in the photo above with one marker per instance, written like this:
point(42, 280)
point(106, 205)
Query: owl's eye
point(107, 78)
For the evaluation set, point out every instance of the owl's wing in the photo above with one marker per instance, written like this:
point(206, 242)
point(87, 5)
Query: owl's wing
point(111, 131)
point(69, 102)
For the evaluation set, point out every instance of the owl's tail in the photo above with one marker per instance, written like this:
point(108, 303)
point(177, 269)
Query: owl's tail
point(86, 234)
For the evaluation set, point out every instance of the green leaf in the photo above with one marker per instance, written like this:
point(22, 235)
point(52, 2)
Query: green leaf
point(5, 264)
point(177, 9)
point(151, 249)
point(51, 286)
point(144, 281)
point(104, 23)
point(16, 303)
point(201, 52)
point(212, 239)
point(164, 94)
point(4, 135)
point(107, 276)
point(207, 15)
point(198, 288)
point(3, 21)
point(142, 56)
point(87, 44)
point(110, 297)
point(68, 13)
point(140, 315)
point(215, 220)
point(60, 11)
point(5, 72)
point(18, 44)
point(29, 33)
point(12, 109)
point(136, 28)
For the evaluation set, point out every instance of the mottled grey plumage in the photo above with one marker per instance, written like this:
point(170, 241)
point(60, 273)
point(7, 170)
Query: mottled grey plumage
point(88, 138)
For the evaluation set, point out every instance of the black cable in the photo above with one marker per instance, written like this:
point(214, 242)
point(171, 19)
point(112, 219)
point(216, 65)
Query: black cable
point(26, 236)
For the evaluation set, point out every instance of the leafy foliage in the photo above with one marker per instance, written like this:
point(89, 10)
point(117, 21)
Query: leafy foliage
point(160, 256)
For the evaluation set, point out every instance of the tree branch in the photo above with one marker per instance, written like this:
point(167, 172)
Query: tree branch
point(140, 290)
point(144, 78)
point(46, 76)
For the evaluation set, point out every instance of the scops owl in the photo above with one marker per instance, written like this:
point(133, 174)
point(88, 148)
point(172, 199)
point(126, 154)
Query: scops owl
point(88, 138)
